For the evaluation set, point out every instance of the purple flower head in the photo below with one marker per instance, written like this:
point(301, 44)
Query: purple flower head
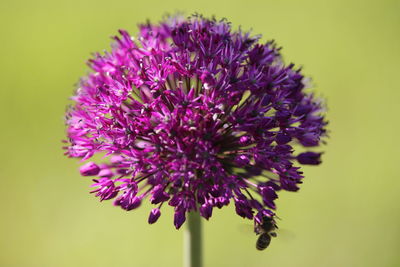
point(196, 115)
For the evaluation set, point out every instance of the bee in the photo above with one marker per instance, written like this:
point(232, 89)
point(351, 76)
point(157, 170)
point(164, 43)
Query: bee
point(266, 230)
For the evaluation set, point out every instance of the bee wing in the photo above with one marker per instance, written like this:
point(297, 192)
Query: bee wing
point(284, 234)
point(246, 228)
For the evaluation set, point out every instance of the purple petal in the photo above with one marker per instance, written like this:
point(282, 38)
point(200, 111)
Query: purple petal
point(154, 215)
point(89, 169)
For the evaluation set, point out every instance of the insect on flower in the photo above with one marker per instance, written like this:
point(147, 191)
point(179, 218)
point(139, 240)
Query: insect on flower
point(265, 230)
point(196, 115)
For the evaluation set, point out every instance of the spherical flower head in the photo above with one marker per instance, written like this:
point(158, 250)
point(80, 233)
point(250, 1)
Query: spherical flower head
point(196, 115)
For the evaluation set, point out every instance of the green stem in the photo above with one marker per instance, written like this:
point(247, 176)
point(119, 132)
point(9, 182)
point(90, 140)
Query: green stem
point(192, 241)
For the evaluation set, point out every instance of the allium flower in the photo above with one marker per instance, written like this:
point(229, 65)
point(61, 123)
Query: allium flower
point(195, 115)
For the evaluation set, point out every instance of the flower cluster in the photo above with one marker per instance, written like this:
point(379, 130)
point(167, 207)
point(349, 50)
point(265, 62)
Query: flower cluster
point(195, 115)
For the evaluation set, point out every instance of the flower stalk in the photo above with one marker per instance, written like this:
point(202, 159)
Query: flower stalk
point(192, 241)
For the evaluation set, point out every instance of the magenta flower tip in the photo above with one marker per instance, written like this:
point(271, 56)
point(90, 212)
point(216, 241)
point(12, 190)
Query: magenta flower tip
point(89, 169)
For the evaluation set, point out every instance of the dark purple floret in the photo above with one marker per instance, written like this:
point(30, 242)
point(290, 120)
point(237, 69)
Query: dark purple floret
point(154, 215)
point(195, 115)
point(310, 158)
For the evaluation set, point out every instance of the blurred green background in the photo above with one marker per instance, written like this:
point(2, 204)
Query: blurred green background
point(347, 213)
